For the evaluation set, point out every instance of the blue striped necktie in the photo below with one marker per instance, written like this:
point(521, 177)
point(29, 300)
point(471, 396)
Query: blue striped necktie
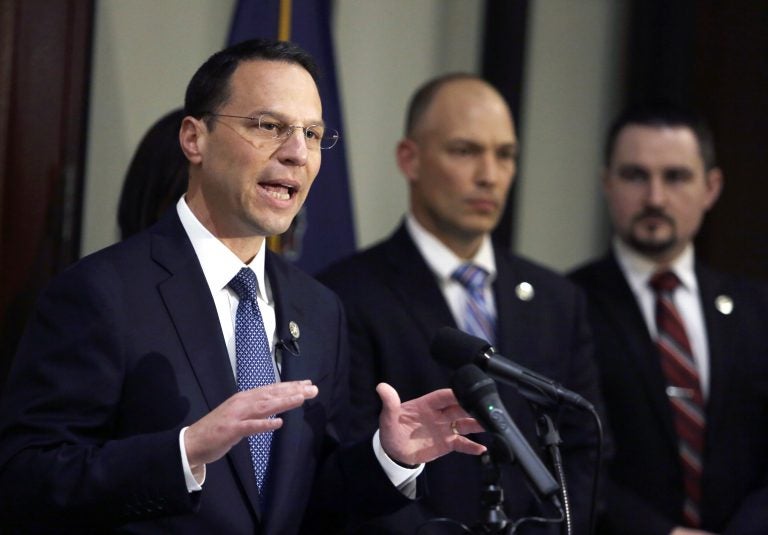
point(254, 361)
point(478, 318)
point(684, 391)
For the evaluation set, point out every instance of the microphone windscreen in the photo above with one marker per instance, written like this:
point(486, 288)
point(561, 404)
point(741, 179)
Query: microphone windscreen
point(470, 384)
point(455, 348)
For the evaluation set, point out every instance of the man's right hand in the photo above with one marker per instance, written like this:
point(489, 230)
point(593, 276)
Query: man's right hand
point(246, 413)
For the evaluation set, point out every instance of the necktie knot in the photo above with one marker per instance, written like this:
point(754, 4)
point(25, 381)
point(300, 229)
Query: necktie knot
point(478, 318)
point(244, 284)
point(664, 282)
point(470, 276)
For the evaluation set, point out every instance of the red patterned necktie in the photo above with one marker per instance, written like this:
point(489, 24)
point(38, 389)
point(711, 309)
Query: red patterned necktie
point(684, 390)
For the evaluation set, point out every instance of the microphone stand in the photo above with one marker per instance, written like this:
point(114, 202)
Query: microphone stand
point(493, 517)
point(550, 439)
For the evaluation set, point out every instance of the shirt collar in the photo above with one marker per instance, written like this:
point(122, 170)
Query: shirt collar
point(219, 263)
point(441, 259)
point(639, 269)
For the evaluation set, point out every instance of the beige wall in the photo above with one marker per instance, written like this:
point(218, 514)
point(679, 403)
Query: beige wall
point(146, 50)
point(570, 96)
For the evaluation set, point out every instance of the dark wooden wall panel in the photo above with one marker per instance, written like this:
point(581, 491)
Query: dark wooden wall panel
point(504, 41)
point(731, 80)
point(44, 102)
point(712, 56)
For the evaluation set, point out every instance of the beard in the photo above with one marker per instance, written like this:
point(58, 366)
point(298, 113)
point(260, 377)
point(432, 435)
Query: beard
point(649, 245)
point(651, 248)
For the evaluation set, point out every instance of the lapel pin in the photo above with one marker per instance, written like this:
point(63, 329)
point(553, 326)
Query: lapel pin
point(293, 328)
point(524, 291)
point(724, 304)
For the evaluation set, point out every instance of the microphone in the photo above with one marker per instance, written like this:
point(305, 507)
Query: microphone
point(477, 394)
point(456, 348)
point(291, 345)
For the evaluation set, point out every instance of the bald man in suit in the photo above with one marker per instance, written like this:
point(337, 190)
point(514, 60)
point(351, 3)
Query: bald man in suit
point(459, 158)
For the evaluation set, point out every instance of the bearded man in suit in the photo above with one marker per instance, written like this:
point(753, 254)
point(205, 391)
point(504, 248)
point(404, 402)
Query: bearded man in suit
point(682, 349)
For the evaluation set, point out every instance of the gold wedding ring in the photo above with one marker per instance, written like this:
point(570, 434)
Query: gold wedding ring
point(455, 427)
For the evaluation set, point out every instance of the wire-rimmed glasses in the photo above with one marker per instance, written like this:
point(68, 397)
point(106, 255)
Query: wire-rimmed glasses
point(267, 126)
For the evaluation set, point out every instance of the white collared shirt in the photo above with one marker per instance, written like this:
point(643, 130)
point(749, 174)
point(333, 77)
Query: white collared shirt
point(220, 265)
point(638, 271)
point(443, 262)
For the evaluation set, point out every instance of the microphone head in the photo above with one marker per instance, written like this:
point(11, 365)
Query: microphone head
point(455, 348)
point(470, 385)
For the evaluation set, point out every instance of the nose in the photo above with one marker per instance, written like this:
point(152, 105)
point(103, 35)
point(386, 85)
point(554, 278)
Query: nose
point(657, 192)
point(293, 150)
point(488, 169)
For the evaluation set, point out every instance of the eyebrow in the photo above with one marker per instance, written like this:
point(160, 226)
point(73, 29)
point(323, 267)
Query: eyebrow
point(506, 145)
point(283, 118)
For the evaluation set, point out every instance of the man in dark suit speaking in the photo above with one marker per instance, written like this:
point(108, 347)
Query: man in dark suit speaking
point(189, 381)
point(682, 350)
point(459, 157)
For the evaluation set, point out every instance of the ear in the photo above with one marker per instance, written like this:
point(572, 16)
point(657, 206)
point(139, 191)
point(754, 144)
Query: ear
point(192, 138)
point(407, 153)
point(714, 178)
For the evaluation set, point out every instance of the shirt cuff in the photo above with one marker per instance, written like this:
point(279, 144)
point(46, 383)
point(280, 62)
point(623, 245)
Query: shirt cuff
point(193, 485)
point(401, 477)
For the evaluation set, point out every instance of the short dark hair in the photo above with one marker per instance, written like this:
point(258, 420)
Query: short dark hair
point(156, 178)
point(425, 94)
point(664, 114)
point(209, 87)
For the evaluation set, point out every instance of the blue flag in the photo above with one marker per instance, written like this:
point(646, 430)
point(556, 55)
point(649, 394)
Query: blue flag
point(323, 231)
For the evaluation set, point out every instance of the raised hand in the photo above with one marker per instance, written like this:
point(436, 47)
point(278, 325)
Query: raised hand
point(425, 428)
point(245, 413)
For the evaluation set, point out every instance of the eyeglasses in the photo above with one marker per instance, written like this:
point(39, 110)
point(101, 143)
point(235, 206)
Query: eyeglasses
point(266, 126)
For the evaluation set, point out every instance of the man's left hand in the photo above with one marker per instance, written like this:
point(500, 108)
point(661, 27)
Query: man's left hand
point(425, 428)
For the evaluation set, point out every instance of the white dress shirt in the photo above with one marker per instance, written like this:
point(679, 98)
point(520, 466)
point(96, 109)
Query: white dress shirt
point(443, 262)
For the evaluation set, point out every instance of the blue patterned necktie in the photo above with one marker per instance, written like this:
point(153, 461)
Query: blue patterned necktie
point(478, 318)
point(254, 361)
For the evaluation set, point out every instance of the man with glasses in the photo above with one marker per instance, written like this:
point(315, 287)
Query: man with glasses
point(459, 157)
point(189, 381)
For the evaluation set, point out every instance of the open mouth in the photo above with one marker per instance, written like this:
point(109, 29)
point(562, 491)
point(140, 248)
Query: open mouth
point(282, 192)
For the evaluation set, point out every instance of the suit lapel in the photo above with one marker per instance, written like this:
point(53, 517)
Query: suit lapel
point(623, 311)
point(414, 285)
point(512, 314)
point(294, 436)
point(193, 313)
point(722, 335)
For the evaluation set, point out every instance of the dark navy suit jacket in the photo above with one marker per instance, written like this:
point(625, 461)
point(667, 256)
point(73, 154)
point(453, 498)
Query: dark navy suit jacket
point(645, 493)
point(124, 349)
point(394, 308)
